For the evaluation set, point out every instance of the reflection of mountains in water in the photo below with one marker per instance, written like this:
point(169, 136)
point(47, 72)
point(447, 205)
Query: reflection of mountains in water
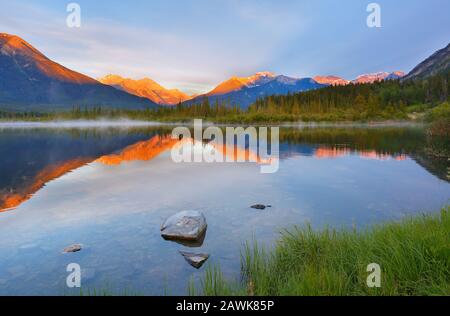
point(44, 156)
point(22, 190)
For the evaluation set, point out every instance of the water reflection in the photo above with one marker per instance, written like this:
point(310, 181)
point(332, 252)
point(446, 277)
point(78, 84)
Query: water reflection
point(41, 156)
point(110, 190)
point(12, 199)
point(30, 158)
point(141, 151)
point(336, 152)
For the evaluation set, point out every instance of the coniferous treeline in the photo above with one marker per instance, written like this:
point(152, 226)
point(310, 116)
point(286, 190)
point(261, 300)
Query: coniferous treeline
point(381, 100)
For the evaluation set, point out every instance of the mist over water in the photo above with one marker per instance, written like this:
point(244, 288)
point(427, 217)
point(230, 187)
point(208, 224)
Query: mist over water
point(127, 123)
point(120, 123)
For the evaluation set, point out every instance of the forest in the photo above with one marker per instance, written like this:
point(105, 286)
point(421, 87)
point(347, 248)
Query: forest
point(385, 100)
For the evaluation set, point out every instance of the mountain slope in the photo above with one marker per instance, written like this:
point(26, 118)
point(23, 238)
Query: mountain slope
point(29, 80)
point(146, 88)
point(433, 65)
point(245, 91)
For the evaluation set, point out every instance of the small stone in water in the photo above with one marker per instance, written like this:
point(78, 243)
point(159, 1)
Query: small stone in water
point(259, 206)
point(195, 259)
point(73, 248)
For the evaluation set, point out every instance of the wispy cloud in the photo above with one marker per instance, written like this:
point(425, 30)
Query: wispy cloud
point(193, 45)
point(192, 63)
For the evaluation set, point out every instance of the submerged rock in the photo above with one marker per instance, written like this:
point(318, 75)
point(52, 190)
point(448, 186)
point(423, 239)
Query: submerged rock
point(195, 259)
point(184, 226)
point(73, 248)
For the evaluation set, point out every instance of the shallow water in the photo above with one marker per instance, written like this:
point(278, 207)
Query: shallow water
point(110, 189)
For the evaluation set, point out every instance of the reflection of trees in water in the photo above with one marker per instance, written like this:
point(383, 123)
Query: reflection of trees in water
point(432, 153)
point(435, 156)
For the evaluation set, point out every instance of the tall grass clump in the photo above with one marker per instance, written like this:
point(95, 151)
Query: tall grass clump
point(414, 256)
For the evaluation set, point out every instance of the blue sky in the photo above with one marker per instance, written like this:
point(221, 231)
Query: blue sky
point(194, 44)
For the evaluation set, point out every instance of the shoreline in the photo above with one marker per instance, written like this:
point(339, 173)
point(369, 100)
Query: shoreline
point(125, 123)
point(411, 255)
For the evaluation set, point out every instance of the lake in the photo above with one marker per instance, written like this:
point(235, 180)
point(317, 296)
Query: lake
point(110, 187)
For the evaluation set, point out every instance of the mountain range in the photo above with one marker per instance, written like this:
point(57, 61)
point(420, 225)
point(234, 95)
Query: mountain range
point(239, 90)
point(29, 81)
point(245, 91)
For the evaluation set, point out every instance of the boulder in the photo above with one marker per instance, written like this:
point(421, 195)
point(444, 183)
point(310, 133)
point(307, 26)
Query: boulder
point(195, 259)
point(184, 226)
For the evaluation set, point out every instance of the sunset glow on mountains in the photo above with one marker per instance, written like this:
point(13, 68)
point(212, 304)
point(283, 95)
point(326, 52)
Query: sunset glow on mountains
point(146, 88)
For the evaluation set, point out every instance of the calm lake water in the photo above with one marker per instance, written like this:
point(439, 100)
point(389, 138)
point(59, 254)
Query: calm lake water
point(110, 189)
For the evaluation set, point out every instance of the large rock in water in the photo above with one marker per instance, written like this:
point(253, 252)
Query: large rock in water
point(187, 226)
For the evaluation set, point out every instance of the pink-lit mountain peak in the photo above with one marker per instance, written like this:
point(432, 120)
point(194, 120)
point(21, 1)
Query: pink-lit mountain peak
point(378, 76)
point(11, 45)
point(331, 80)
point(146, 88)
point(361, 79)
point(237, 83)
point(36, 63)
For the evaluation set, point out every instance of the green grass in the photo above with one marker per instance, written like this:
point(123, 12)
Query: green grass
point(414, 256)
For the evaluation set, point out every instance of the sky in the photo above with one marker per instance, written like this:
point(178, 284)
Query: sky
point(195, 44)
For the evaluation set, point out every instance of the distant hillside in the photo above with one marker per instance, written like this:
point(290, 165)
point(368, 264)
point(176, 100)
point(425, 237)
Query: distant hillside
point(437, 63)
point(29, 80)
point(146, 88)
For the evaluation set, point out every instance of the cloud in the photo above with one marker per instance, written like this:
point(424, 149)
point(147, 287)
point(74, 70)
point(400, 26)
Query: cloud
point(193, 62)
